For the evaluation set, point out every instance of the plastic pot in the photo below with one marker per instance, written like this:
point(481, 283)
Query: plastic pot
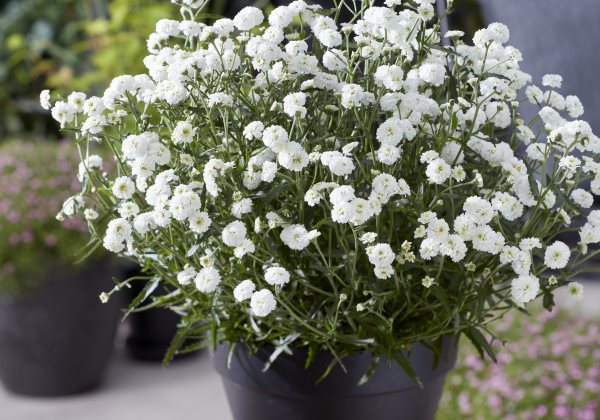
point(287, 390)
point(58, 339)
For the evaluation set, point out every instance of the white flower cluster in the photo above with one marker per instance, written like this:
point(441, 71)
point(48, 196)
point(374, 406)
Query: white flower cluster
point(375, 137)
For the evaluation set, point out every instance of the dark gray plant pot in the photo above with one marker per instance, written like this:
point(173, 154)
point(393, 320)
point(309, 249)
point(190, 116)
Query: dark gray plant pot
point(58, 340)
point(288, 391)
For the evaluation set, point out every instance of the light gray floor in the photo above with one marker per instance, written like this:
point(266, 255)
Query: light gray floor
point(187, 389)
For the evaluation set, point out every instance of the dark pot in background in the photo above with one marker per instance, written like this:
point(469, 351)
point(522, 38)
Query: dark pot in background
point(287, 390)
point(151, 331)
point(58, 340)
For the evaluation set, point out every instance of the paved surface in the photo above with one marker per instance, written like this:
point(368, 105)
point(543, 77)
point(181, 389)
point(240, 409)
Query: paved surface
point(187, 389)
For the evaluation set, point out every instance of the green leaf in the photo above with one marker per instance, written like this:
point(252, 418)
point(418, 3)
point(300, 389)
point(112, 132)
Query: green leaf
point(87, 250)
point(209, 16)
point(325, 12)
point(437, 47)
point(454, 119)
point(498, 76)
point(199, 345)
point(325, 221)
point(548, 301)
point(566, 200)
point(480, 342)
point(269, 197)
point(534, 187)
point(146, 291)
point(193, 250)
point(441, 295)
point(369, 372)
point(176, 344)
point(229, 356)
point(405, 364)
point(312, 352)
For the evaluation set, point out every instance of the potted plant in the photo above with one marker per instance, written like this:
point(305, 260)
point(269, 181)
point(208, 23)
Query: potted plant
point(55, 337)
point(339, 202)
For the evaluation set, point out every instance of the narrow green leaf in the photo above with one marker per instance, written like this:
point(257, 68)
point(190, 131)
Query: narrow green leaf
point(534, 187)
point(405, 364)
point(87, 250)
point(193, 250)
point(548, 301)
point(369, 372)
point(312, 352)
point(150, 286)
point(209, 16)
point(476, 336)
point(176, 344)
point(269, 197)
point(439, 293)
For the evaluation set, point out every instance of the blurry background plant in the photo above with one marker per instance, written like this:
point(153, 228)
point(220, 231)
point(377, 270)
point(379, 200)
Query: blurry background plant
point(66, 45)
point(551, 372)
point(35, 178)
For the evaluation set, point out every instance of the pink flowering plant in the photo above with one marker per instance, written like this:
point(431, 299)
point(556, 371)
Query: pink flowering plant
point(550, 372)
point(339, 186)
point(36, 177)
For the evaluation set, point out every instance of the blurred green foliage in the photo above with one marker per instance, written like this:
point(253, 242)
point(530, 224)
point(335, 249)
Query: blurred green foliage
point(66, 45)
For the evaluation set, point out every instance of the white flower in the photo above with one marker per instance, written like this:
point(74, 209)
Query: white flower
point(277, 276)
point(437, 230)
point(262, 302)
point(63, 112)
point(220, 99)
point(45, 99)
point(119, 230)
point(454, 247)
point(429, 249)
point(384, 272)
point(246, 247)
point(244, 290)
point(450, 153)
point(583, 198)
point(295, 236)
point(385, 184)
point(254, 130)
point(185, 277)
point(241, 207)
point(123, 188)
point(552, 80)
point(234, 233)
point(281, 17)
point(248, 18)
point(479, 210)
point(368, 238)
point(381, 255)
point(184, 133)
point(525, 288)
point(557, 255)
point(200, 222)
point(76, 100)
point(293, 157)
point(342, 212)
point(90, 214)
point(575, 290)
point(438, 171)
point(343, 194)
point(528, 244)
point(275, 137)
point(208, 279)
point(427, 282)
point(128, 209)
